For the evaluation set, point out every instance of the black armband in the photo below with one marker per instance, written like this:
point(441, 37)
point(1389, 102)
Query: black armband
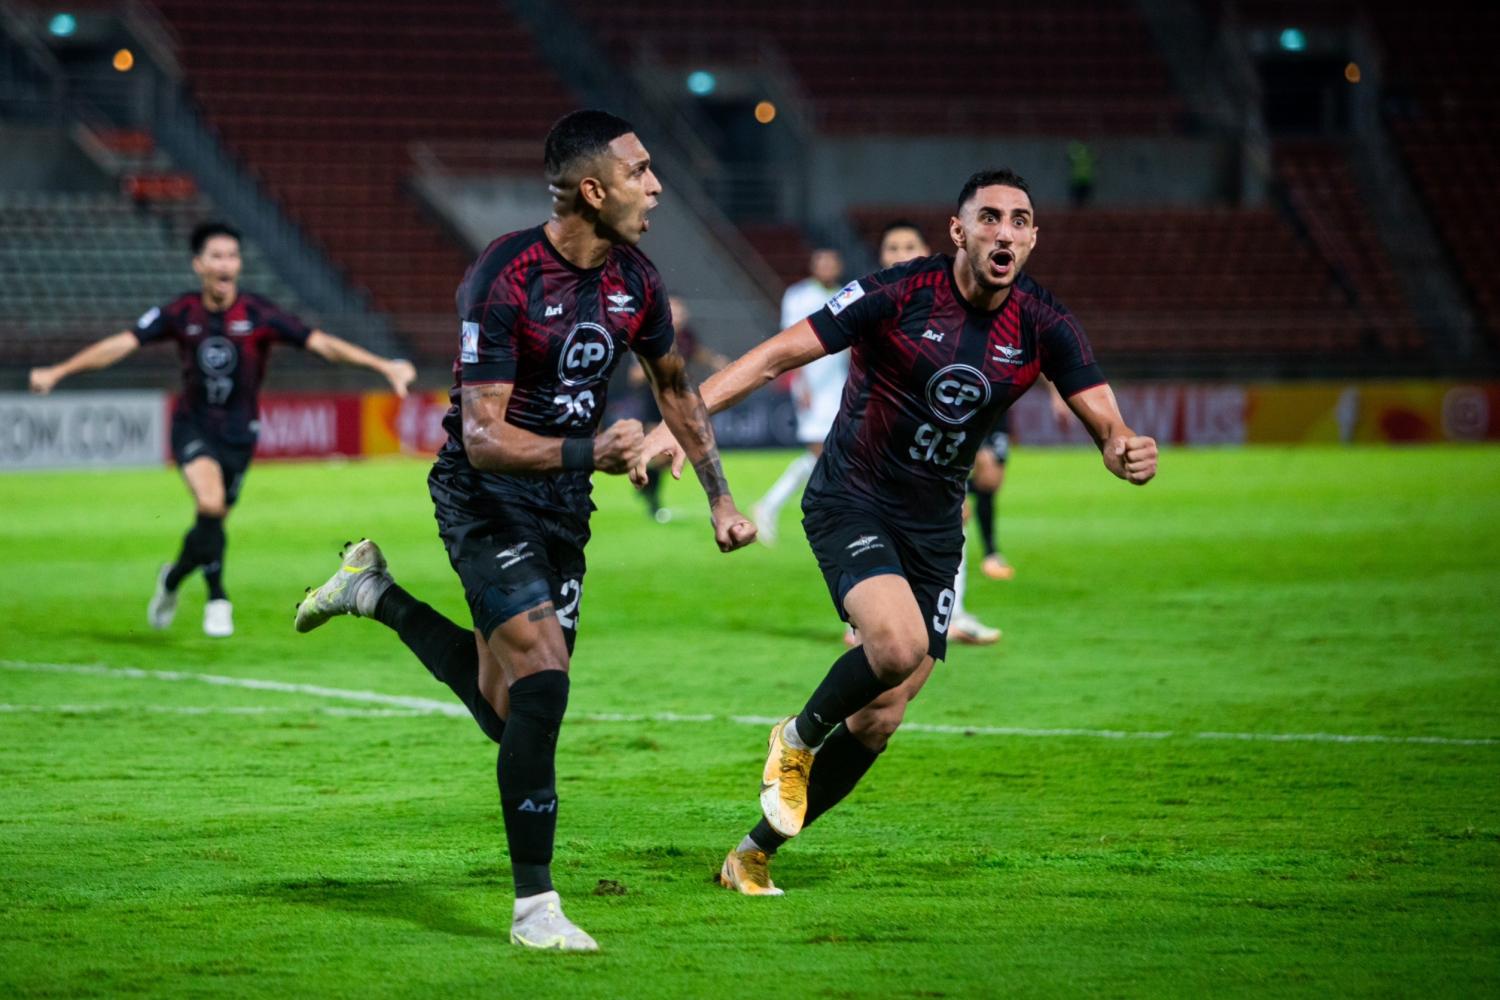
point(578, 455)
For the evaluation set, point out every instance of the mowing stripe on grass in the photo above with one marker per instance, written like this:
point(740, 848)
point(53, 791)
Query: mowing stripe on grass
point(102, 708)
point(427, 706)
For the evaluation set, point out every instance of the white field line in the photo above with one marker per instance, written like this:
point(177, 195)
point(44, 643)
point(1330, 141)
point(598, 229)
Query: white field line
point(405, 706)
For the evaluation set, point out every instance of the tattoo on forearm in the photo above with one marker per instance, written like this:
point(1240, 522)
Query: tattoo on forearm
point(490, 390)
point(711, 475)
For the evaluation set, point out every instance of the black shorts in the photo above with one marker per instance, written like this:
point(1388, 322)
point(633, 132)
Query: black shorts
point(511, 557)
point(852, 544)
point(998, 440)
point(189, 441)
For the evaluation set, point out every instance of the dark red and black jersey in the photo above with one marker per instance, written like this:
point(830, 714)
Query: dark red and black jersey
point(928, 377)
point(556, 332)
point(223, 357)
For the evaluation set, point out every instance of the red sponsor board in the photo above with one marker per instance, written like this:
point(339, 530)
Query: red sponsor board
point(1173, 413)
point(308, 426)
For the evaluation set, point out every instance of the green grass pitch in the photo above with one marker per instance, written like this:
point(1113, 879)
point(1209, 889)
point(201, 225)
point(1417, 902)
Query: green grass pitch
point(165, 836)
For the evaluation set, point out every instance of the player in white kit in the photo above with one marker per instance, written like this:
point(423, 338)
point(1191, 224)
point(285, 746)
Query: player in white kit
point(817, 388)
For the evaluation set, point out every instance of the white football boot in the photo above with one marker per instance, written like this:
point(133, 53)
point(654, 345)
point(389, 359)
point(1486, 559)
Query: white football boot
point(973, 632)
point(538, 922)
point(163, 606)
point(218, 619)
point(354, 589)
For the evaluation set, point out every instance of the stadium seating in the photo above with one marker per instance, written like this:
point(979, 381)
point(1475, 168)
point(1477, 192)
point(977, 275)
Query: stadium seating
point(1069, 67)
point(1435, 56)
point(1320, 190)
point(76, 267)
point(1185, 284)
point(322, 102)
point(782, 246)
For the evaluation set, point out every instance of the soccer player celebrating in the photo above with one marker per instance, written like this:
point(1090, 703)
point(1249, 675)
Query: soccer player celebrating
point(940, 346)
point(547, 313)
point(901, 241)
point(223, 336)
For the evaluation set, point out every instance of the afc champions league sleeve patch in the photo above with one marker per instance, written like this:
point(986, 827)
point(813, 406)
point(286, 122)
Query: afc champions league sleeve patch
point(468, 348)
point(147, 318)
point(847, 296)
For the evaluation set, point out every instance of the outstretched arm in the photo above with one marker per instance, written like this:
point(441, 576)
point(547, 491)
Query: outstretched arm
point(99, 354)
point(762, 364)
point(398, 372)
point(685, 416)
point(495, 445)
point(1128, 455)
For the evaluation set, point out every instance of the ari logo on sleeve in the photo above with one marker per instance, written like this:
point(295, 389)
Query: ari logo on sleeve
point(847, 296)
point(468, 350)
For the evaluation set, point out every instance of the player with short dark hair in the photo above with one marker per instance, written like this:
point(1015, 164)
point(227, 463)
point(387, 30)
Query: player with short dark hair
point(546, 314)
point(901, 241)
point(223, 337)
point(940, 347)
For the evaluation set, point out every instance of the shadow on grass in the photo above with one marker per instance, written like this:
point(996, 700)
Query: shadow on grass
point(828, 636)
point(386, 898)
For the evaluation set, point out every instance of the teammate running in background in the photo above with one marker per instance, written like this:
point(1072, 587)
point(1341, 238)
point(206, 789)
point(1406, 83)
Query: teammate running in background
point(546, 314)
point(816, 389)
point(694, 352)
point(901, 241)
point(941, 346)
point(223, 337)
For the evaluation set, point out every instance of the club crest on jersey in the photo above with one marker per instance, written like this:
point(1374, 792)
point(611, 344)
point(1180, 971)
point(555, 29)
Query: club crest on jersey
point(622, 303)
point(957, 392)
point(468, 344)
point(1008, 355)
point(217, 356)
point(847, 296)
point(586, 354)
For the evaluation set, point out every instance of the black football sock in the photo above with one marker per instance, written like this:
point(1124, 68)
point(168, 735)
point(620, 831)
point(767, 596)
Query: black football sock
point(212, 545)
point(849, 686)
point(984, 513)
point(527, 774)
point(652, 490)
point(841, 762)
point(187, 558)
point(447, 651)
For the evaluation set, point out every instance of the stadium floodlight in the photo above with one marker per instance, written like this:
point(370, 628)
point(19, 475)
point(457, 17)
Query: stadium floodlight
point(1293, 40)
point(701, 82)
point(62, 25)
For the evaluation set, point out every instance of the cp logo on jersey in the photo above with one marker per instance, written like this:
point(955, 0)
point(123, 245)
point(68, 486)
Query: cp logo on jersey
point(586, 354)
point(957, 392)
point(217, 356)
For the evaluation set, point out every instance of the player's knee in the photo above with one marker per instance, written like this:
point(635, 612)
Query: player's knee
point(541, 697)
point(212, 506)
point(895, 653)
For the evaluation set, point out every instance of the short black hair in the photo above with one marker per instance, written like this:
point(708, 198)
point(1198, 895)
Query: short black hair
point(205, 231)
point(578, 136)
point(895, 224)
point(1005, 177)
